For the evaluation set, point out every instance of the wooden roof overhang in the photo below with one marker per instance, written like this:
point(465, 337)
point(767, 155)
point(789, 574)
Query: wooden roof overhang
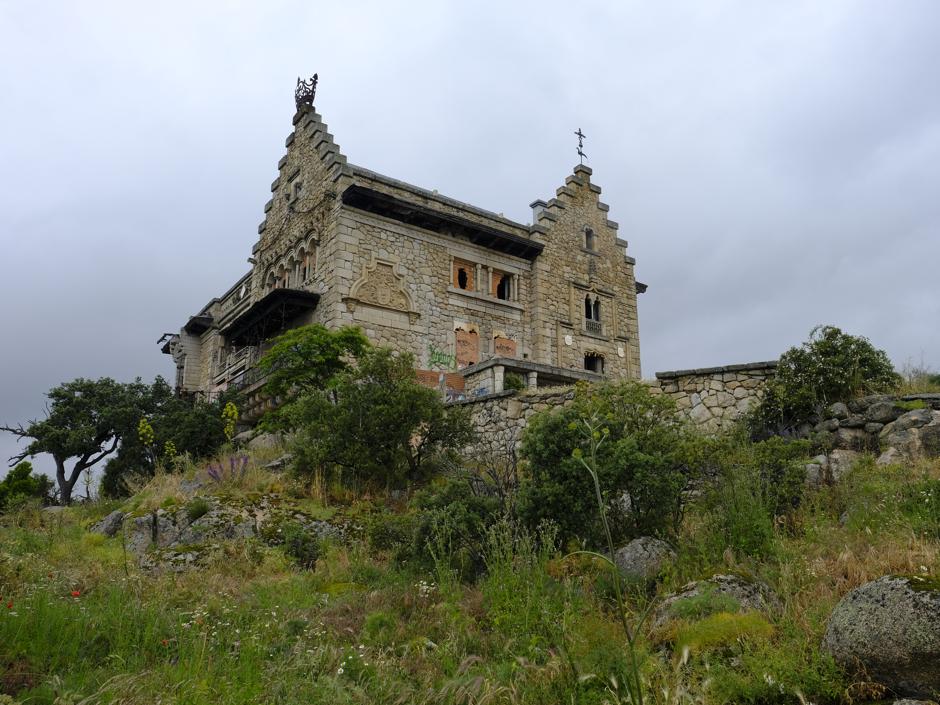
point(269, 315)
point(384, 204)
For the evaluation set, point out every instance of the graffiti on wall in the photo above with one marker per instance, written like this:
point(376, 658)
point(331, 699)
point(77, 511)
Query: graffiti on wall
point(442, 358)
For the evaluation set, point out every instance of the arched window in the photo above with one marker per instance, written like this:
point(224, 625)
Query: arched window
point(283, 276)
point(589, 240)
point(588, 308)
point(293, 273)
point(597, 310)
point(270, 281)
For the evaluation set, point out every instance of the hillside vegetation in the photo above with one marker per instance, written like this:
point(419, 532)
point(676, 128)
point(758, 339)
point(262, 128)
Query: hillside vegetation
point(81, 622)
point(376, 551)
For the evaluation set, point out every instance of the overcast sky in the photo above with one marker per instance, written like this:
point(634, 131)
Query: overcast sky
point(772, 165)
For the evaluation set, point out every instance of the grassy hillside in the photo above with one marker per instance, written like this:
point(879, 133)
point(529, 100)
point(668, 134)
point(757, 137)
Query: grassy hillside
point(367, 622)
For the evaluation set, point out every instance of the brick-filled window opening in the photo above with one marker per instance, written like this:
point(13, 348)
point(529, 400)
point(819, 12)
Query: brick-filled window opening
point(594, 363)
point(463, 275)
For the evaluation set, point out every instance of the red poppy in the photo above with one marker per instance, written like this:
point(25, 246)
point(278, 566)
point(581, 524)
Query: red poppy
point(76, 593)
point(10, 605)
point(164, 642)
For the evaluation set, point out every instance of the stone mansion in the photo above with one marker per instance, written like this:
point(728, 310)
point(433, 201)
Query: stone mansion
point(471, 294)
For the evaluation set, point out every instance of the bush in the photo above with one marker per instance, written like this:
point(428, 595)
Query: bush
point(831, 366)
point(376, 424)
point(513, 381)
point(300, 544)
point(451, 523)
point(756, 486)
point(20, 485)
point(645, 464)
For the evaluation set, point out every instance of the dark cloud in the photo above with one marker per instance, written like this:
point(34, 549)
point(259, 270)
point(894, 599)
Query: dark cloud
point(773, 166)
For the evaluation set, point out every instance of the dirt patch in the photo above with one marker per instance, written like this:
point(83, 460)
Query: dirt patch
point(17, 676)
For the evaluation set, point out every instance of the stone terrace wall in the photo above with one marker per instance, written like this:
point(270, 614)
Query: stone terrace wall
point(507, 413)
point(715, 397)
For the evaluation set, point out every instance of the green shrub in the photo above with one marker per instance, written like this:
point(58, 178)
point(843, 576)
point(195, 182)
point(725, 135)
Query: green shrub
point(722, 630)
point(645, 465)
point(707, 603)
point(300, 544)
point(389, 531)
point(20, 485)
point(376, 424)
point(196, 508)
point(513, 381)
point(830, 366)
point(450, 523)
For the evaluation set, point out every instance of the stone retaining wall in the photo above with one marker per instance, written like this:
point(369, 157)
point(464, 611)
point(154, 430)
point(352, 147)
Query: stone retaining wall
point(713, 398)
point(910, 424)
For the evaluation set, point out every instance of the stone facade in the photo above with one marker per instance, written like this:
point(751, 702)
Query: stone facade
point(451, 283)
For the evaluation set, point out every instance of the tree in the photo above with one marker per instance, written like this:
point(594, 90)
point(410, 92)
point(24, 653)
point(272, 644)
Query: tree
point(86, 421)
point(306, 359)
point(21, 483)
point(645, 464)
point(830, 366)
point(193, 428)
point(376, 423)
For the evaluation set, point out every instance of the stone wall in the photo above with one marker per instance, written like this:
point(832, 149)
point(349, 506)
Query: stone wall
point(715, 397)
point(909, 424)
point(506, 414)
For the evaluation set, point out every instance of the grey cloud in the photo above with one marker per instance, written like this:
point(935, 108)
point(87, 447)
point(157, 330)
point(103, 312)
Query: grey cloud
point(773, 166)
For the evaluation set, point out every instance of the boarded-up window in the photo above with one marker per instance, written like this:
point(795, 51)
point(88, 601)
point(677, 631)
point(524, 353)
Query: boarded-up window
point(504, 347)
point(432, 379)
point(468, 347)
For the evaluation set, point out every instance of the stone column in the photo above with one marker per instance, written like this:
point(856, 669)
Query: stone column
point(499, 374)
point(477, 281)
point(532, 380)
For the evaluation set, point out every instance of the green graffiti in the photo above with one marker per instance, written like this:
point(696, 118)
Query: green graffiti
point(439, 357)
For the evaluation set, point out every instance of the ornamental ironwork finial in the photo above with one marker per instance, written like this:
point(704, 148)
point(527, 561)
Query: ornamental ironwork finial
point(305, 91)
point(581, 137)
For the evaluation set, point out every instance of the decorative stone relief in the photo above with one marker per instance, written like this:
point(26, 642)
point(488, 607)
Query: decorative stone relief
point(381, 286)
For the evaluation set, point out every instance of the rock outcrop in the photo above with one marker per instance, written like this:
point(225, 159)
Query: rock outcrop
point(890, 628)
point(644, 558)
point(178, 537)
point(746, 593)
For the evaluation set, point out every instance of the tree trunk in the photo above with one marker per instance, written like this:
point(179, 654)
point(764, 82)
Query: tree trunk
point(66, 485)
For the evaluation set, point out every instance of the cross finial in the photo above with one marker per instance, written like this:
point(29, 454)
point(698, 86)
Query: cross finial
point(581, 137)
